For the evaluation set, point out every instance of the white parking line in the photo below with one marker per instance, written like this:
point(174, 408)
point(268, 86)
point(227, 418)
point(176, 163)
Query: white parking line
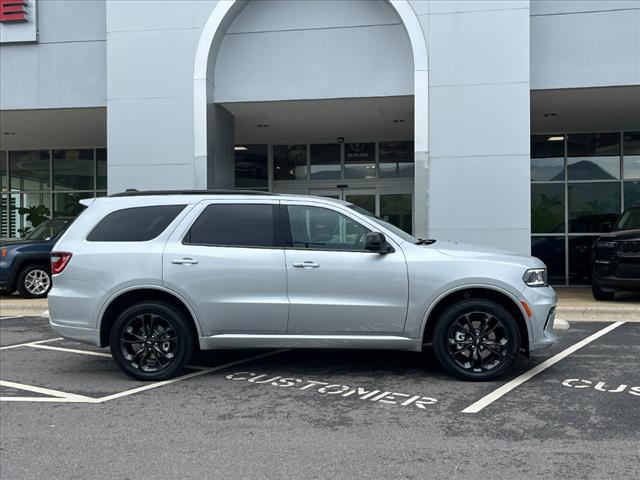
point(507, 387)
point(69, 350)
point(45, 391)
point(28, 344)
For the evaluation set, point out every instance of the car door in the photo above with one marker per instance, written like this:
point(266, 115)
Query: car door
point(335, 286)
point(225, 260)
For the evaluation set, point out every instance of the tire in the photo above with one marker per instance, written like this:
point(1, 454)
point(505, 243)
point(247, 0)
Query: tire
point(34, 281)
point(468, 353)
point(600, 294)
point(151, 341)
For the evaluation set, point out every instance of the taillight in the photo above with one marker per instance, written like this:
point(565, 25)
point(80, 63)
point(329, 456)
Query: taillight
point(59, 261)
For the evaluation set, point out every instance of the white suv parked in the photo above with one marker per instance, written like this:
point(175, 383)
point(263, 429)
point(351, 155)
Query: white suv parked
point(155, 275)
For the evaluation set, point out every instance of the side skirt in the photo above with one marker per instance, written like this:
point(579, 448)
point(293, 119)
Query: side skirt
point(375, 342)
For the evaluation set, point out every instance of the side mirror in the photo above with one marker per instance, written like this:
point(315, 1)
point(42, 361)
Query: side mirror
point(376, 242)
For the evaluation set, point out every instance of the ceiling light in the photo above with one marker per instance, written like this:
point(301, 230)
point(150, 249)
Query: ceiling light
point(559, 138)
point(398, 120)
point(550, 114)
point(263, 125)
point(239, 148)
point(9, 133)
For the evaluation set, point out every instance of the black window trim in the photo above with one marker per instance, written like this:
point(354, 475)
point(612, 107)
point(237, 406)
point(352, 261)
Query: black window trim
point(277, 233)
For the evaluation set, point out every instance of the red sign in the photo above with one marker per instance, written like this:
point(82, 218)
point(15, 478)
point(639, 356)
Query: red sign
point(13, 11)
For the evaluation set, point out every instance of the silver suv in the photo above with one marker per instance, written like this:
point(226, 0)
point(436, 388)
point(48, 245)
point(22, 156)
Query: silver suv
point(155, 275)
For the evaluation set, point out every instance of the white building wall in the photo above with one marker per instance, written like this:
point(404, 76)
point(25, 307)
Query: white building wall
point(580, 43)
point(66, 67)
point(478, 121)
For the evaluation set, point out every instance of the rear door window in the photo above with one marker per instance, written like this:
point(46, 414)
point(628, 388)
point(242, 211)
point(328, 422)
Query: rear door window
point(137, 224)
point(235, 225)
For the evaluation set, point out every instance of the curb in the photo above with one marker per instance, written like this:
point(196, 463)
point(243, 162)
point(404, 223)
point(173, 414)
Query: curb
point(586, 314)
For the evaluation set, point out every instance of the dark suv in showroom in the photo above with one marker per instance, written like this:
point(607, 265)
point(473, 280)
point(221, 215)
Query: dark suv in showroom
point(616, 257)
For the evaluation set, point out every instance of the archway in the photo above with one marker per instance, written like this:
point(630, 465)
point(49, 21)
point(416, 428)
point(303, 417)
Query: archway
point(211, 37)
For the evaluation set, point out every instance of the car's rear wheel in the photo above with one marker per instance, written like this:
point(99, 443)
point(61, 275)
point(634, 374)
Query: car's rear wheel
point(600, 294)
point(476, 339)
point(34, 281)
point(151, 341)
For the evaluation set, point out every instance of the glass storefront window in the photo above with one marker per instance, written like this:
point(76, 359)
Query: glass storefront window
point(73, 169)
point(252, 166)
point(580, 259)
point(631, 153)
point(28, 210)
point(360, 160)
point(366, 201)
point(547, 208)
point(101, 168)
point(67, 204)
point(593, 156)
point(547, 157)
point(631, 193)
point(396, 159)
point(29, 170)
point(325, 161)
point(396, 208)
point(3, 172)
point(289, 162)
point(551, 250)
point(4, 216)
point(593, 206)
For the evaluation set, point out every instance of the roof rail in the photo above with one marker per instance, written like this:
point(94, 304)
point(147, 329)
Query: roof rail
point(130, 192)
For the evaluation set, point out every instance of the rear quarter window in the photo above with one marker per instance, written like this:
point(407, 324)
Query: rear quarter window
point(137, 224)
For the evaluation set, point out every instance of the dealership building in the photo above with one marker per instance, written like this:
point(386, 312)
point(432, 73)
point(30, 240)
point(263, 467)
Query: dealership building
point(510, 123)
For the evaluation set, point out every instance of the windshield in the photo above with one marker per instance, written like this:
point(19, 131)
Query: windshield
point(47, 229)
point(399, 232)
point(630, 220)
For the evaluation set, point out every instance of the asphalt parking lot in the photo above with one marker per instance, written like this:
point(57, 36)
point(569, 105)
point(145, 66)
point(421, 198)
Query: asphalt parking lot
point(68, 412)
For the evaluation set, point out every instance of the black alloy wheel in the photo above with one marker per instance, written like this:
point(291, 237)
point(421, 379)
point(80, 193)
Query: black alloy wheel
point(151, 341)
point(476, 339)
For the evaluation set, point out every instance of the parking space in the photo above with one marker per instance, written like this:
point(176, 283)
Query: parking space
point(585, 389)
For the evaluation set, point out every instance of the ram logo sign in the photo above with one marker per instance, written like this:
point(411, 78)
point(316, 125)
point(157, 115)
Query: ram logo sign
point(18, 21)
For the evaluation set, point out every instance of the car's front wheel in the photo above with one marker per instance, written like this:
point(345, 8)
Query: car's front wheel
point(476, 339)
point(151, 341)
point(34, 281)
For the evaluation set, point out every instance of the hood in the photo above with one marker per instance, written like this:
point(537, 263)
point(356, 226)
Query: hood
point(12, 242)
point(484, 252)
point(622, 235)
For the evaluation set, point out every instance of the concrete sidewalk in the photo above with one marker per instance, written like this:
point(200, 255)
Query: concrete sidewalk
point(574, 304)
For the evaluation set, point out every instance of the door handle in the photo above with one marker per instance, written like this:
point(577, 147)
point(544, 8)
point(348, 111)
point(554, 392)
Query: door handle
point(306, 264)
point(184, 261)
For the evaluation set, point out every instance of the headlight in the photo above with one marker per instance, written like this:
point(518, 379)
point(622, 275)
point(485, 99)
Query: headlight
point(535, 277)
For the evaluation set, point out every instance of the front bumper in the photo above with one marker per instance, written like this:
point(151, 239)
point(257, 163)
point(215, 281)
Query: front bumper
point(542, 301)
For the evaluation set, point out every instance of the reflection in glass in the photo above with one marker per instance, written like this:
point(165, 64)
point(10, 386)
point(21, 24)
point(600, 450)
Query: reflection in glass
point(360, 160)
point(593, 156)
point(580, 259)
point(73, 169)
point(396, 209)
point(67, 204)
point(325, 161)
point(368, 202)
point(396, 159)
point(101, 168)
point(547, 157)
point(4, 216)
point(631, 150)
point(547, 208)
point(593, 206)
point(251, 166)
point(631, 193)
point(29, 170)
point(290, 162)
point(547, 169)
point(551, 250)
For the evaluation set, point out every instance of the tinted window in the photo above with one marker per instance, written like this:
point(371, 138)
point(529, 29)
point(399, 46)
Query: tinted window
point(234, 225)
point(320, 228)
point(137, 224)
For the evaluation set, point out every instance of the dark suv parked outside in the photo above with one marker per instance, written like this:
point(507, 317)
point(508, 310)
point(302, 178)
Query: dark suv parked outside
point(616, 257)
point(25, 264)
